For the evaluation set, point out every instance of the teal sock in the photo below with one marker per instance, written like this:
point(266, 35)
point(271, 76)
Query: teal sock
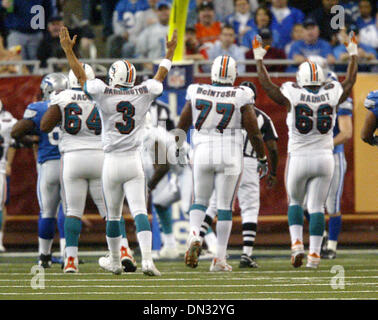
point(295, 215)
point(72, 228)
point(122, 225)
point(142, 223)
point(113, 229)
point(317, 224)
point(165, 217)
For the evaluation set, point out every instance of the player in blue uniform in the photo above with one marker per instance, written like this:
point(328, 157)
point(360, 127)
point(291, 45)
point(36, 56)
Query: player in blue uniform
point(48, 163)
point(371, 121)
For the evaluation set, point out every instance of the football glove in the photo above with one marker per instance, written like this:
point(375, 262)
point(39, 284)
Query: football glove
point(352, 46)
point(258, 50)
point(262, 167)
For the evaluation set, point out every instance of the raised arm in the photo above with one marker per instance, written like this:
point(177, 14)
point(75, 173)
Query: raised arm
point(351, 75)
point(67, 44)
point(51, 118)
point(272, 90)
point(165, 65)
point(346, 130)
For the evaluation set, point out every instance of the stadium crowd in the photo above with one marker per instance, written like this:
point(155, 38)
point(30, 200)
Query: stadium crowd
point(293, 29)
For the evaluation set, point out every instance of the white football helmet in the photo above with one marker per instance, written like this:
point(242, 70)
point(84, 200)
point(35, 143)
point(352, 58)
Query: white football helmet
point(73, 80)
point(310, 74)
point(223, 70)
point(123, 73)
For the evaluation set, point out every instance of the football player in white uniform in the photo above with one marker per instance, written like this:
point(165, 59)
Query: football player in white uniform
point(218, 113)
point(311, 113)
point(7, 153)
point(122, 108)
point(81, 161)
point(249, 189)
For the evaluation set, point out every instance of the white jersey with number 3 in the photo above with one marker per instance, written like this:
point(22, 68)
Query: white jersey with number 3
point(216, 111)
point(123, 112)
point(81, 123)
point(312, 116)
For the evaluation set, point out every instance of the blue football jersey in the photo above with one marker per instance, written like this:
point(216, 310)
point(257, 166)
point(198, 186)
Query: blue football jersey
point(344, 109)
point(48, 142)
point(371, 103)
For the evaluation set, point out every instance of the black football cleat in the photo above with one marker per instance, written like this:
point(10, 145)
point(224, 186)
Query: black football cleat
point(247, 262)
point(45, 261)
point(328, 254)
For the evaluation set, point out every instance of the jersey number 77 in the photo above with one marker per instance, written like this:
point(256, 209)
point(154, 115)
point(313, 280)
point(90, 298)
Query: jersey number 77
point(205, 106)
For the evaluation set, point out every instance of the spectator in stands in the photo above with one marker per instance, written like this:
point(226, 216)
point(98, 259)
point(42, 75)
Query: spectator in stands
point(262, 19)
point(351, 9)
point(312, 45)
point(151, 42)
point(207, 28)
point(241, 20)
point(226, 46)
point(13, 54)
point(296, 34)
point(365, 52)
point(107, 9)
point(366, 14)
point(50, 46)
point(369, 34)
point(284, 19)
point(323, 17)
point(193, 50)
point(273, 53)
point(18, 22)
point(129, 20)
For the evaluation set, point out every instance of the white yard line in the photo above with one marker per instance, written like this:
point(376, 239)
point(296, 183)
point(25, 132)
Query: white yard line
point(180, 292)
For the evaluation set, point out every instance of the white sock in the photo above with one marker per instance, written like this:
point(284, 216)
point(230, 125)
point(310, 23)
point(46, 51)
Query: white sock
point(315, 244)
point(332, 245)
point(296, 233)
point(1, 237)
point(44, 245)
point(196, 218)
point(223, 234)
point(211, 240)
point(145, 244)
point(247, 250)
point(124, 243)
point(71, 252)
point(62, 244)
point(114, 245)
point(169, 240)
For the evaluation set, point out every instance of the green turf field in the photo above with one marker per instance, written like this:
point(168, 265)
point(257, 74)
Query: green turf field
point(275, 279)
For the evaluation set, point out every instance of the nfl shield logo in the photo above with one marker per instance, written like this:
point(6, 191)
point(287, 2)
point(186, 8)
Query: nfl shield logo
point(176, 78)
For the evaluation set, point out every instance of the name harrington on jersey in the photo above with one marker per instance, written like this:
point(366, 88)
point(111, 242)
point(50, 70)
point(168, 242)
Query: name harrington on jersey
point(213, 93)
point(132, 91)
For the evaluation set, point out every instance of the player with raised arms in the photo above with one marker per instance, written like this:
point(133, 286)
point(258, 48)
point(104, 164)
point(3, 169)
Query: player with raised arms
point(311, 105)
point(81, 162)
point(122, 108)
point(218, 113)
point(48, 185)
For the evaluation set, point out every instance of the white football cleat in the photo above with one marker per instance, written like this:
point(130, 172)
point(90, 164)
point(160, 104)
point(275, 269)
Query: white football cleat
point(127, 260)
point(108, 264)
point(313, 261)
point(149, 269)
point(218, 265)
point(169, 253)
point(297, 254)
point(71, 265)
point(194, 250)
point(2, 248)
